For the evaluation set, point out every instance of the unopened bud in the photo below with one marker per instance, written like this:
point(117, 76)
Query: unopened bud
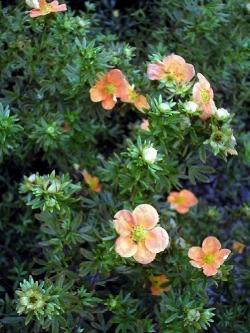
point(32, 178)
point(191, 107)
point(33, 3)
point(165, 106)
point(222, 114)
point(149, 155)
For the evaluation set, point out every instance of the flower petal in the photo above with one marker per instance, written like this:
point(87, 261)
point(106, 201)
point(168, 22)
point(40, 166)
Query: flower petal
point(125, 246)
point(172, 197)
point(36, 12)
point(203, 81)
point(222, 255)
point(141, 103)
point(55, 7)
point(155, 71)
point(156, 291)
point(115, 76)
point(142, 255)
point(211, 245)
point(190, 72)
point(181, 209)
point(157, 240)
point(190, 198)
point(196, 264)
point(207, 110)
point(196, 92)
point(146, 216)
point(195, 253)
point(210, 269)
point(96, 94)
point(124, 222)
point(108, 103)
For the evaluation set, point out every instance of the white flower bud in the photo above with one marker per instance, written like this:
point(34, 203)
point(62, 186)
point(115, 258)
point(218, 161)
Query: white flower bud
point(32, 178)
point(149, 155)
point(165, 106)
point(233, 140)
point(54, 187)
point(191, 107)
point(222, 114)
point(116, 13)
point(33, 3)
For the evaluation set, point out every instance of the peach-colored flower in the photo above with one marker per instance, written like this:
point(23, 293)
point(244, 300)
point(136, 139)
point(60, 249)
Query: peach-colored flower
point(209, 257)
point(140, 237)
point(111, 86)
point(238, 247)
point(145, 125)
point(171, 68)
point(139, 101)
point(158, 284)
point(47, 8)
point(182, 201)
point(203, 95)
point(92, 181)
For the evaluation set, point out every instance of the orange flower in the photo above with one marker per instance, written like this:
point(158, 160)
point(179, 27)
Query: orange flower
point(209, 257)
point(92, 181)
point(41, 8)
point(140, 237)
point(158, 284)
point(238, 247)
point(171, 68)
point(111, 86)
point(203, 95)
point(139, 101)
point(144, 125)
point(182, 201)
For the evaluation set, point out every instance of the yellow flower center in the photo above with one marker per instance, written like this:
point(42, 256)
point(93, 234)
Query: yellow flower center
point(209, 259)
point(170, 77)
point(133, 95)
point(217, 136)
point(138, 234)
point(180, 200)
point(204, 95)
point(44, 7)
point(157, 283)
point(110, 89)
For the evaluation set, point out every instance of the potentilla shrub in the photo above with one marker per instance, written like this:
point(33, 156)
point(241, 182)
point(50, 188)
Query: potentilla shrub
point(213, 35)
point(97, 157)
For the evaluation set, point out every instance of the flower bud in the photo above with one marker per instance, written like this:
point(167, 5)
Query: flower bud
point(222, 114)
point(33, 3)
point(54, 187)
point(32, 178)
point(116, 13)
point(191, 107)
point(149, 155)
point(193, 315)
point(165, 106)
point(233, 140)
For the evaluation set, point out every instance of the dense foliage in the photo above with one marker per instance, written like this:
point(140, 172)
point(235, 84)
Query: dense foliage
point(67, 166)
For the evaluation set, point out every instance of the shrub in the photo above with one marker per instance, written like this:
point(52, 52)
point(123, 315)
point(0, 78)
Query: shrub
point(83, 188)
